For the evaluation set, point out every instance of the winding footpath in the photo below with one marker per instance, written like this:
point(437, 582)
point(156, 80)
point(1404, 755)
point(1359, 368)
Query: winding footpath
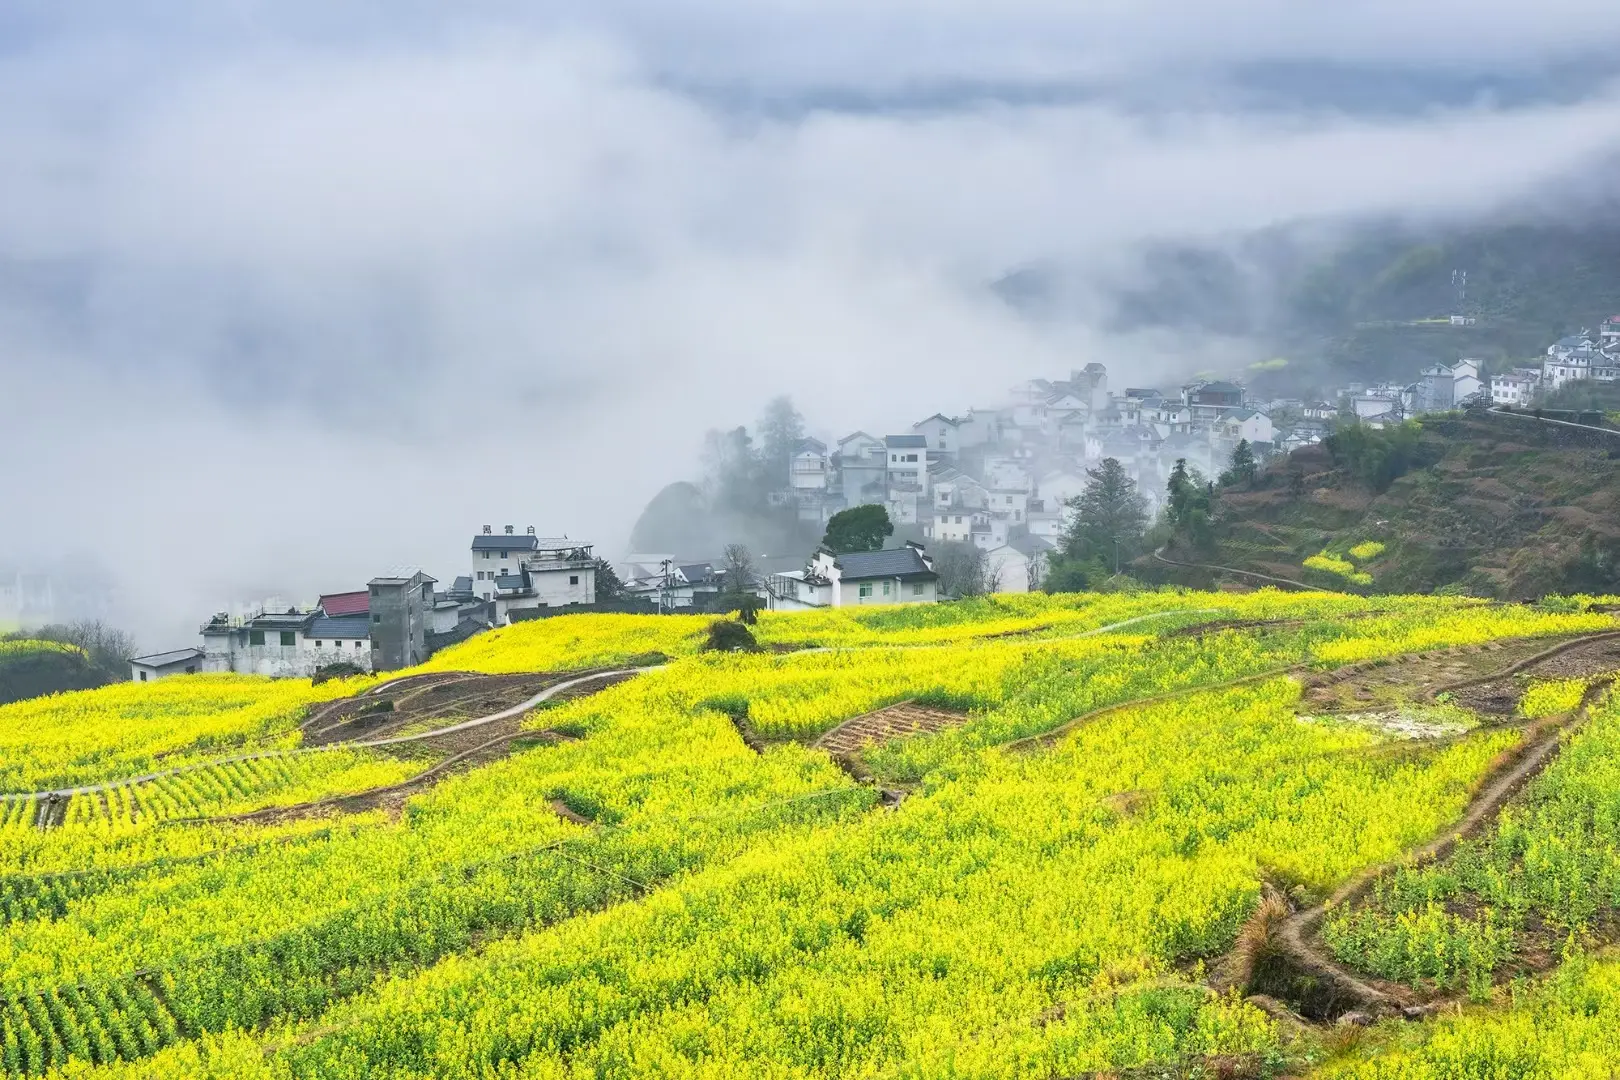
point(522, 707)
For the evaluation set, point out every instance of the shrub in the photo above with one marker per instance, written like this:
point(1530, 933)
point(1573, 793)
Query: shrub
point(729, 635)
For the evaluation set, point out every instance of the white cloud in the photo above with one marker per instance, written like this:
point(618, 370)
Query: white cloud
point(514, 275)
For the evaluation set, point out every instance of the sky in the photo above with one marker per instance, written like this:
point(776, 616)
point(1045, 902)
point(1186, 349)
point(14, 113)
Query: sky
point(294, 293)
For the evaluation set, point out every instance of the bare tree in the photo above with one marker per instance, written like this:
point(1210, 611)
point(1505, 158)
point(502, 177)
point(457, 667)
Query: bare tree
point(965, 570)
point(1035, 572)
point(108, 647)
point(739, 568)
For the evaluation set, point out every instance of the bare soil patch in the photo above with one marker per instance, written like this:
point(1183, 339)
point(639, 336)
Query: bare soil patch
point(893, 722)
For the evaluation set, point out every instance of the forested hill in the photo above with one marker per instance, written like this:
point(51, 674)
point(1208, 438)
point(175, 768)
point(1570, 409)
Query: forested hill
point(1486, 505)
point(1372, 302)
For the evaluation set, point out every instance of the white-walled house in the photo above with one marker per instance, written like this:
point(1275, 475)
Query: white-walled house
point(1057, 488)
point(807, 472)
point(1516, 387)
point(952, 526)
point(1019, 565)
point(908, 462)
point(497, 555)
point(558, 572)
point(1011, 503)
point(156, 666)
point(903, 575)
point(941, 432)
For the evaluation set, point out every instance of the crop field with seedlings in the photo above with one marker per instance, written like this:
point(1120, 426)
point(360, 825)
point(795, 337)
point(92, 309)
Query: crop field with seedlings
point(1154, 834)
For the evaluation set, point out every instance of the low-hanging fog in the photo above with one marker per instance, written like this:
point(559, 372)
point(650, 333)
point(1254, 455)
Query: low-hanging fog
point(292, 293)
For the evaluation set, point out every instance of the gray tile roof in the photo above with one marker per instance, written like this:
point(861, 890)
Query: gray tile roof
point(509, 581)
point(503, 542)
point(164, 659)
point(904, 562)
point(905, 442)
point(345, 626)
point(295, 621)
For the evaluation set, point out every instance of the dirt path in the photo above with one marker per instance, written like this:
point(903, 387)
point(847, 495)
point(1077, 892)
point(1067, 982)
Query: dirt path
point(516, 710)
point(1290, 582)
point(1296, 935)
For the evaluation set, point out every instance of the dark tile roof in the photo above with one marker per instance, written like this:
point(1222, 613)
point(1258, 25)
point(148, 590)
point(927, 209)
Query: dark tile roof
point(905, 442)
point(348, 626)
point(696, 573)
point(503, 542)
point(164, 659)
point(1029, 544)
point(346, 603)
point(904, 562)
point(295, 621)
point(509, 581)
point(463, 585)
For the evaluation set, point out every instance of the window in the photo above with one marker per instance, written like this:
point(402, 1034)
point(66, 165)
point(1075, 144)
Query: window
point(866, 590)
point(376, 618)
point(357, 644)
point(289, 637)
point(486, 554)
point(911, 457)
point(885, 588)
point(917, 589)
point(320, 644)
point(573, 579)
point(503, 556)
point(255, 637)
point(894, 457)
point(191, 669)
point(143, 676)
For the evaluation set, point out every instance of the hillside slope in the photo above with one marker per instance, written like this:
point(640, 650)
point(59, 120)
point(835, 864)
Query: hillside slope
point(1497, 507)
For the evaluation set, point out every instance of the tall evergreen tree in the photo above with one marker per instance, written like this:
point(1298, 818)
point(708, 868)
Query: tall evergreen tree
point(1243, 468)
point(1109, 510)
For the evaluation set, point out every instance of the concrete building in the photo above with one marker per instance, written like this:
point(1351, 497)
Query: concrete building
point(401, 614)
point(1515, 388)
point(496, 555)
point(162, 665)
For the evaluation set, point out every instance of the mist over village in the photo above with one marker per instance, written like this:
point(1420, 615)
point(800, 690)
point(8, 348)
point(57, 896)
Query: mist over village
point(710, 540)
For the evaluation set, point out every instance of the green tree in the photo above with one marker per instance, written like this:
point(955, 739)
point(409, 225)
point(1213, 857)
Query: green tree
point(1191, 505)
point(1243, 468)
point(1109, 517)
point(608, 585)
point(860, 528)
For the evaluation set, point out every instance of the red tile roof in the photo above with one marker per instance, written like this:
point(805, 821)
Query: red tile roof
point(346, 603)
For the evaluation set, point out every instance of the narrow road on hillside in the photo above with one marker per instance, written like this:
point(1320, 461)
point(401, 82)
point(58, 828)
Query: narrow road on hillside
point(1290, 582)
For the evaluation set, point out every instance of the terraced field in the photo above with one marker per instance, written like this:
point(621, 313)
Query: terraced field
point(1162, 834)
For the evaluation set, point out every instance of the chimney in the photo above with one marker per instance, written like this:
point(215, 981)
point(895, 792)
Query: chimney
point(531, 530)
point(509, 530)
point(486, 530)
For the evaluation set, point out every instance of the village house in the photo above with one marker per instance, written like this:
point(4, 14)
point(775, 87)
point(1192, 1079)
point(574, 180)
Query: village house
point(941, 433)
point(1019, 565)
point(1515, 388)
point(903, 575)
point(161, 665)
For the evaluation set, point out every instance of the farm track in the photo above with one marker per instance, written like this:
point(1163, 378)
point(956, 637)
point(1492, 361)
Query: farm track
point(51, 805)
point(1296, 936)
point(1290, 582)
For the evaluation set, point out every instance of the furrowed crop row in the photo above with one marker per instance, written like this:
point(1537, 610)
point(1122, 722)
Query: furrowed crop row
point(194, 793)
point(16, 813)
point(105, 1022)
point(302, 972)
